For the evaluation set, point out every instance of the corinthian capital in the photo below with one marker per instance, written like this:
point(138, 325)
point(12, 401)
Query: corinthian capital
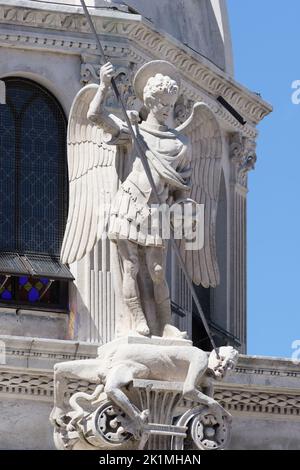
point(243, 157)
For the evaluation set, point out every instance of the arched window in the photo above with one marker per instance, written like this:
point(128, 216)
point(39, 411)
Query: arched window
point(33, 195)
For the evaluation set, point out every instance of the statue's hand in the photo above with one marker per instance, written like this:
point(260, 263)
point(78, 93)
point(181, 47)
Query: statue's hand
point(136, 425)
point(107, 72)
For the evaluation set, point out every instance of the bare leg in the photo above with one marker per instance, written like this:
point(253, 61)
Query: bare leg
point(129, 254)
point(198, 363)
point(119, 377)
point(155, 263)
point(197, 368)
point(156, 260)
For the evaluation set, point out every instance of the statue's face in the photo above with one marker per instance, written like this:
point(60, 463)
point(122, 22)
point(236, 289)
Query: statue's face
point(161, 106)
point(224, 364)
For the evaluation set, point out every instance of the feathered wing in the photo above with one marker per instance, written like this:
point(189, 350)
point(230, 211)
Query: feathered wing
point(90, 186)
point(205, 136)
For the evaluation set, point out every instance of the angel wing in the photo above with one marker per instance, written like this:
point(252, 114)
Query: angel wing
point(204, 134)
point(89, 161)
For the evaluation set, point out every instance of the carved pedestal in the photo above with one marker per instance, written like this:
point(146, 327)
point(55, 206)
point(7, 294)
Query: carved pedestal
point(170, 421)
point(173, 424)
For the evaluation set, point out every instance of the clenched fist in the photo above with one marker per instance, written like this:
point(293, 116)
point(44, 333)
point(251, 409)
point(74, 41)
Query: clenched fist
point(107, 71)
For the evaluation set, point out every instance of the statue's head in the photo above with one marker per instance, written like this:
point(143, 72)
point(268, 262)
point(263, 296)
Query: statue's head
point(160, 96)
point(220, 367)
point(157, 84)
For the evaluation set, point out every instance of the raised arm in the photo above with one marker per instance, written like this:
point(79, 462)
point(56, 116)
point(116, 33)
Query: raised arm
point(97, 112)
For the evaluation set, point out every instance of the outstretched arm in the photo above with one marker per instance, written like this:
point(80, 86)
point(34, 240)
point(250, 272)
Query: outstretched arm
point(97, 112)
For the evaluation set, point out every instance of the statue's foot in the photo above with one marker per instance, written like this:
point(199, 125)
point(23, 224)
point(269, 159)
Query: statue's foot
point(139, 423)
point(142, 328)
point(171, 331)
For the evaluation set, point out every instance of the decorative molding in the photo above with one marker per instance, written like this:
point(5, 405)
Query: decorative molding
point(26, 384)
point(38, 385)
point(35, 384)
point(262, 401)
point(243, 156)
point(90, 70)
point(194, 68)
point(268, 372)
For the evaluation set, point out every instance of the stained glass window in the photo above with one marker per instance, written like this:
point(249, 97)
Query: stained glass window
point(5, 288)
point(33, 192)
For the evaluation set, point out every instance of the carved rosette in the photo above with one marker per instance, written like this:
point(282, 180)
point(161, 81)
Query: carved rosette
point(243, 157)
point(170, 421)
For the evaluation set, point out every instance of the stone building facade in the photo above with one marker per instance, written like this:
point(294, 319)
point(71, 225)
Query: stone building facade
point(49, 313)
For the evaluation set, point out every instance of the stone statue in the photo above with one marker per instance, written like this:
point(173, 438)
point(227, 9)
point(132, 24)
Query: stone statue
point(118, 365)
point(184, 162)
point(149, 388)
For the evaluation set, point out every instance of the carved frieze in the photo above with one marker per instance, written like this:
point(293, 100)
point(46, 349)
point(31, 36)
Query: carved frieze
point(194, 69)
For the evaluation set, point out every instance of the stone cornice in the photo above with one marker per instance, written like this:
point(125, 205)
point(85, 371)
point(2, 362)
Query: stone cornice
point(195, 69)
point(35, 353)
point(259, 400)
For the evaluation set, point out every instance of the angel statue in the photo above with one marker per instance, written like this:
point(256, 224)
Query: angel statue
point(110, 191)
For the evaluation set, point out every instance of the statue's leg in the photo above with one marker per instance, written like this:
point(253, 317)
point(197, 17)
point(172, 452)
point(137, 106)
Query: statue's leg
point(129, 255)
point(121, 376)
point(156, 267)
point(198, 362)
point(156, 262)
point(88, 369)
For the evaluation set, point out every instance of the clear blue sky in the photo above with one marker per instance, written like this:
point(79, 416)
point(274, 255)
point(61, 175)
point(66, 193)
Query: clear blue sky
point(266, 44)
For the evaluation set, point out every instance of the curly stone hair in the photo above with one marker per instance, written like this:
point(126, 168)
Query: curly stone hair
point(158, 85)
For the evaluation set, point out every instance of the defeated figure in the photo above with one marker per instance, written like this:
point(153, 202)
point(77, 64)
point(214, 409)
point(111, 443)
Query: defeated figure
point(119, 364)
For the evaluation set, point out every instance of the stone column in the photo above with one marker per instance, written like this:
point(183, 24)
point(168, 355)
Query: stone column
point(242, 160)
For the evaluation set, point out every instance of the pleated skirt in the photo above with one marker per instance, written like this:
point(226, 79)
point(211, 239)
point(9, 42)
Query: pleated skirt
point(131, 218)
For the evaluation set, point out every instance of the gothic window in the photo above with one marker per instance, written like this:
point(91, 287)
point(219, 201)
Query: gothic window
point(33, 196)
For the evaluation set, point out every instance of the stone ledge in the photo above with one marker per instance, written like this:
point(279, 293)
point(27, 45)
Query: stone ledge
point(27, 352)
